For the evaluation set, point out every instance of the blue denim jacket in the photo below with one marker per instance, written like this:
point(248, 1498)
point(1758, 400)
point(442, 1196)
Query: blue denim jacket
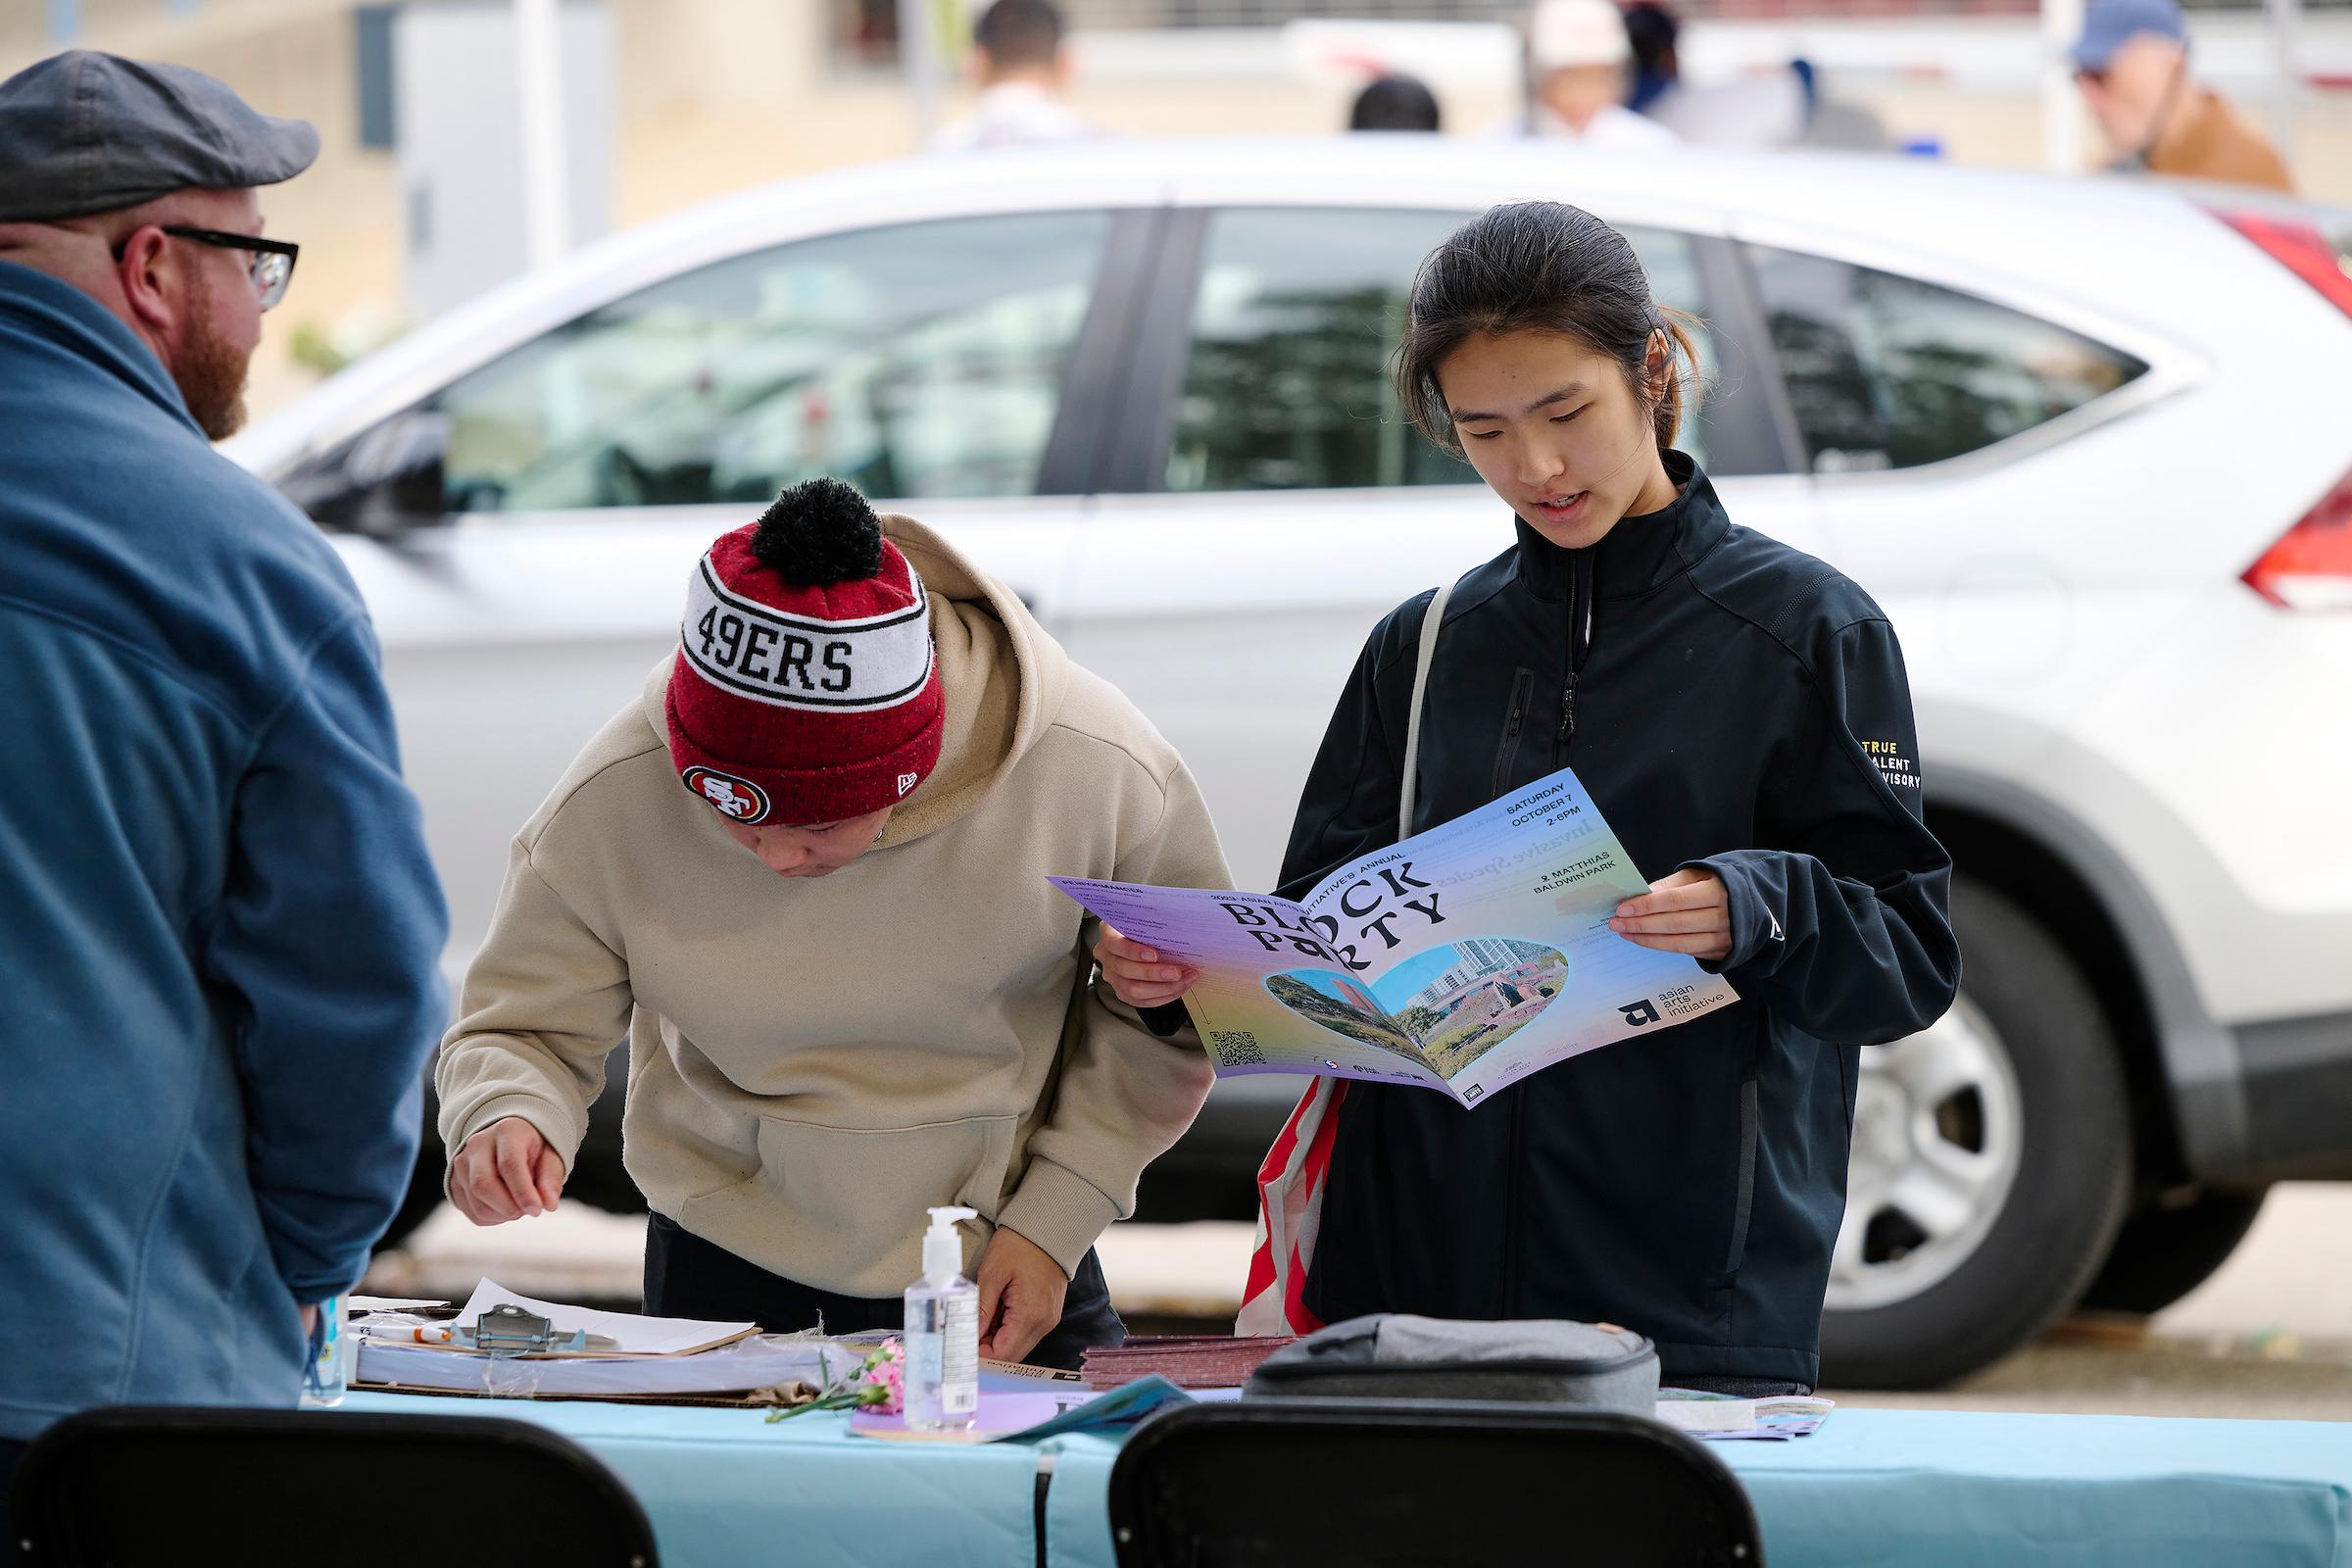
point(220, 933)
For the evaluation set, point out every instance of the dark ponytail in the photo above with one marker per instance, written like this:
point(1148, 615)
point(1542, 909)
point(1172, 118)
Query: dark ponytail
point(1541, 267)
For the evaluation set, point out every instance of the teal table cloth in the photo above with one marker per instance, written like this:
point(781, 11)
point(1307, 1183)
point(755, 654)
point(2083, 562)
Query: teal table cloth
point(1903, 1489)
point(724, 1488)
point(1932, 1488)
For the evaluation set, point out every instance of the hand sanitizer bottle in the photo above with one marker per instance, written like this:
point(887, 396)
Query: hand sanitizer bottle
point(327, 1372)
point(943, 1333)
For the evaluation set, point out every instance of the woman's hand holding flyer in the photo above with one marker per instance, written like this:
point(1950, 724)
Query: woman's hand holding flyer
point(1690, 911)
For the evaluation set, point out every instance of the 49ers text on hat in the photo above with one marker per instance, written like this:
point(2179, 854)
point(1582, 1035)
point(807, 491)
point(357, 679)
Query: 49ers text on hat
point(751, 649)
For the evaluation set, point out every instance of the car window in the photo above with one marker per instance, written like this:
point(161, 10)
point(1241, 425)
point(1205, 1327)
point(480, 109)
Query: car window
point(1293, 331)
point(916, 360)
point(1885, 371)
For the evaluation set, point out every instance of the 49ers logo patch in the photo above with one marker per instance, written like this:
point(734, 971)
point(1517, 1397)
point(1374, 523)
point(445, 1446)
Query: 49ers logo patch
point(731, 797)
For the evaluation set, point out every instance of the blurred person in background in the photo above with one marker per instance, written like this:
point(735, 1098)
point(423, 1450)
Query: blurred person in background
point(1394, 102)
point(2131, 65)
point(1578, 57)
point(1772, 108)
point(1654, 33)
point(1022, 64)
point(222, 934)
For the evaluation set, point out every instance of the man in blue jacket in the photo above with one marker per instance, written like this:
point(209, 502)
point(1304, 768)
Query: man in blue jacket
point(221, 931)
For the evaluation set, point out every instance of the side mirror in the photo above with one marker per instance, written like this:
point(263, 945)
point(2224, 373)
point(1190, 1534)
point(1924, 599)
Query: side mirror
point(388, 482)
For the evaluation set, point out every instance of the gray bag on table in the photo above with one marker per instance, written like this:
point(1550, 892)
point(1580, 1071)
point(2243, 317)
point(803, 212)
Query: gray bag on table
point(1394, 1355)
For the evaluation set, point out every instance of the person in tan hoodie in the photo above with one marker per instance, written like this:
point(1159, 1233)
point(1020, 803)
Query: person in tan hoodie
point(804, 874)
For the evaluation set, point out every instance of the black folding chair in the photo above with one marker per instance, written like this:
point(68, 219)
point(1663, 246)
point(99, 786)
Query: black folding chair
point(1276, 1483)
point(130, 1487)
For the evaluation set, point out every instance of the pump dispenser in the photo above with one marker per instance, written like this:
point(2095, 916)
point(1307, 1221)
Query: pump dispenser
point(943, 1333)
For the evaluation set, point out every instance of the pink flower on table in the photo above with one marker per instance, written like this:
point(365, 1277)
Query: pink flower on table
point(883, 1385)
point(891, 1378)
point(879, 1384)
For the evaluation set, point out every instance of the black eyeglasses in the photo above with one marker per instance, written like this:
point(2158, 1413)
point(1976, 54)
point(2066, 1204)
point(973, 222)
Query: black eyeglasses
point(270, 270)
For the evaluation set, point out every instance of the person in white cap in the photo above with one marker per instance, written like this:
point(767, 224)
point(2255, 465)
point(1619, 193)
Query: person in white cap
point(1577, 57)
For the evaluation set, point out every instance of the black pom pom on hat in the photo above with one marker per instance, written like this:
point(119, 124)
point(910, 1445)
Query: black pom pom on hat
point(820, 532)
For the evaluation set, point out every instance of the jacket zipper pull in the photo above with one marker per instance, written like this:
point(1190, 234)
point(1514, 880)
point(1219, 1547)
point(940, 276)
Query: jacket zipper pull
point(1568, 709)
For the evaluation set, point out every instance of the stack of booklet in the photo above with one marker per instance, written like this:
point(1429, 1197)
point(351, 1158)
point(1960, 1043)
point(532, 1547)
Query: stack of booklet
point(1718, 1416)
point(1189, 1361)
point(624, 1354)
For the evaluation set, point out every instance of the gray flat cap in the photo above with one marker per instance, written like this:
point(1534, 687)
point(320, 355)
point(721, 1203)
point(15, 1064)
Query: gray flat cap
point(87, 133)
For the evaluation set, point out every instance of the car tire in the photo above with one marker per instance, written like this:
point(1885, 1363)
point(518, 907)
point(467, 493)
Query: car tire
point(2165, 1251)
point(2051, 1110)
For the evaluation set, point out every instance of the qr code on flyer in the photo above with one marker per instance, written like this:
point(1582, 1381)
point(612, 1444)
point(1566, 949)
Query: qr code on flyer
point(1235, 1047)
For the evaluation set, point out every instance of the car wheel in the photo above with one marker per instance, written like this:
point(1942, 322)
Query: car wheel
point(2166, 1251)
point(1991, 1156)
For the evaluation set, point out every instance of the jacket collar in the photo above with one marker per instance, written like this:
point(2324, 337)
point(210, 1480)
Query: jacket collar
point(55, 311)
point(1641, 551)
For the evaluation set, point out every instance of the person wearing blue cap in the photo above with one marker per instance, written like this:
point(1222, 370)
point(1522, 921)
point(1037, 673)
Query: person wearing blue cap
point(2131, 65)
point(223, 932)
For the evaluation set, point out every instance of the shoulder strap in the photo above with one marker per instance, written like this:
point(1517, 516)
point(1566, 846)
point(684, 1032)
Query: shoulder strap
point(1430, 624)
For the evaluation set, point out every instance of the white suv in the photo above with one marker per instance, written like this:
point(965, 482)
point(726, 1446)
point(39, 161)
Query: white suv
point(2082, 440)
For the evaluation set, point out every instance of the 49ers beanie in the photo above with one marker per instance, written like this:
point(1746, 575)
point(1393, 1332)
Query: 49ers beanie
point(807, 684)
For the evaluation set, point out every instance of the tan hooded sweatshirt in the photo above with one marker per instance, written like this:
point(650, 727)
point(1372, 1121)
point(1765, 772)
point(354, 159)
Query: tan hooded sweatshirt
point(813, 1063)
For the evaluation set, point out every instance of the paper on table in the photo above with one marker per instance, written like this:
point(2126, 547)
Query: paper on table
point(1027, 1417)
point(755, 1363)
point(387, 1303)
point(1000, 1416)
point(1022, 1372)
point(1708, 1417)
point(1720, 1416)
point(631, 1334)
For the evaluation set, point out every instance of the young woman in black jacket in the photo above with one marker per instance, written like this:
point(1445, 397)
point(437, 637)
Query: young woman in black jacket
point(1739, 714)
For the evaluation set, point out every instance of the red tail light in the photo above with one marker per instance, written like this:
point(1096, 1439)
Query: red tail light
point(2310, 567)
point(2302, 249)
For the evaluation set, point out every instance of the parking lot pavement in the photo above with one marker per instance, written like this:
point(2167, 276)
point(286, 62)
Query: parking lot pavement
point(2271, 1335)
point(583, 1254)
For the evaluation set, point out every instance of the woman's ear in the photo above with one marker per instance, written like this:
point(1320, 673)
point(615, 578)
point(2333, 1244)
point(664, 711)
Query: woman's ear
point(1657, 362)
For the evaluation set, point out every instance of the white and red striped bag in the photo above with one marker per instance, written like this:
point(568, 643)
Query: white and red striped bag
point(1290, 1212)
point(1290, 1180)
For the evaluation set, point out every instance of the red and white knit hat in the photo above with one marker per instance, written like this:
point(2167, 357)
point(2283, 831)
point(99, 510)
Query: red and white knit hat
point(807, 684)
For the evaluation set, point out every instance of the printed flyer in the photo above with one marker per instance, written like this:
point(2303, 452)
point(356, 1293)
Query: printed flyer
point(1459, 959)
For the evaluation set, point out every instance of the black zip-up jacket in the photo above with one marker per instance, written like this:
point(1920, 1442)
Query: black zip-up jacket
point(1733, 705)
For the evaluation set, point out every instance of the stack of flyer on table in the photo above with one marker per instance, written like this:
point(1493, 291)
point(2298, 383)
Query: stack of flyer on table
point(1718, 1417)
point(426, 1348)
point(624, 1356)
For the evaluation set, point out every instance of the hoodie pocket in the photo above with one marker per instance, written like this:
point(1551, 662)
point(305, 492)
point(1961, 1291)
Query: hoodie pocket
point(1514, 722)
point(842, 1207)
point(887, 1176)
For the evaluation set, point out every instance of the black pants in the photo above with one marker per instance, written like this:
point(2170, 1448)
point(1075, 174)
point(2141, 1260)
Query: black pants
point(686, 1276)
